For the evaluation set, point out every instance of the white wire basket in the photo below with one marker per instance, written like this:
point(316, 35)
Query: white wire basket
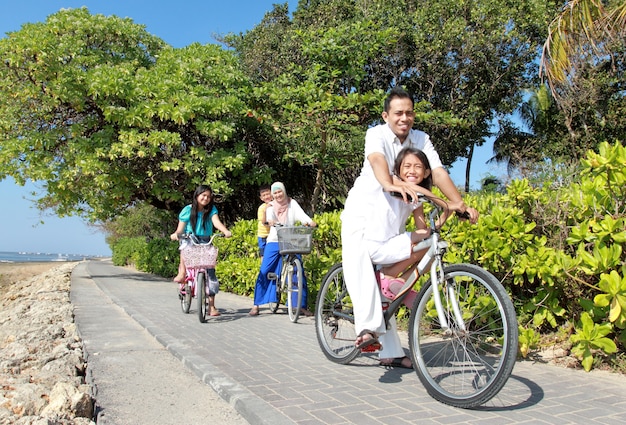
point(199, 256)
point(295, 239)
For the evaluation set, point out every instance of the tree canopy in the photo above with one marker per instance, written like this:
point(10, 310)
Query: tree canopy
point(465, 62)
point(108, 115)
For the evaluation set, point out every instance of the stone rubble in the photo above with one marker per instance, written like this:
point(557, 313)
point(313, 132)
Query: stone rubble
point(42, 367)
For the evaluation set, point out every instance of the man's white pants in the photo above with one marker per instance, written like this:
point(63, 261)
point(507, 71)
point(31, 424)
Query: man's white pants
point(360, 280)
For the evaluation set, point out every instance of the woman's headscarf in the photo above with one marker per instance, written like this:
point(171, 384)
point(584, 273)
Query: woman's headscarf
point(280, 209)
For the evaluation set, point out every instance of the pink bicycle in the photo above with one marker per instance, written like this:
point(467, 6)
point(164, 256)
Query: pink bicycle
point(199, 258)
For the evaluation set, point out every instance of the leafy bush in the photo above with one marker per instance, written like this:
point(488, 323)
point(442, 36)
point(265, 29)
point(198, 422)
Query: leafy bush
point(161, 257)
point(128, 251)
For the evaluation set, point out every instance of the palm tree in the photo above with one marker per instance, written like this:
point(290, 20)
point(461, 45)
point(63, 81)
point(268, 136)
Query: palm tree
point(521, 149)
point(583, 27)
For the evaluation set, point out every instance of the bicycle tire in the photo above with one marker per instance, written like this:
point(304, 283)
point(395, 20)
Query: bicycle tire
point(185, 299)
point(201, 296)
point(464, 368)
point(294, 289)
point(334, 318)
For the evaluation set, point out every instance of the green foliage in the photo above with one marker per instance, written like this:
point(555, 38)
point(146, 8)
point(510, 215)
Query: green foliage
point(544, 307)
point(323, 88)
point(491, 184)
point(589, 338)
point(238, 261)
point(528, 340)
point(237, 274)
point(465, 62)
point(129, 251)
point(461, 49)
point(107, 115)
point(140, 219)
point(556, 247)
point(613, 287)
point(160, 257)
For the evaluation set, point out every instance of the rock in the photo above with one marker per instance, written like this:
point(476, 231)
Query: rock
point(66, 400)
point(41, 358)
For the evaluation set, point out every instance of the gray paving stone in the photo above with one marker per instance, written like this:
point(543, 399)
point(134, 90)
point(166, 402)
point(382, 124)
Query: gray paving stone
point(272, 369)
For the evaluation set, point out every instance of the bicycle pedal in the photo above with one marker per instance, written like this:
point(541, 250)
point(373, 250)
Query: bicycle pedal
point(371, 349)
point(272, 276)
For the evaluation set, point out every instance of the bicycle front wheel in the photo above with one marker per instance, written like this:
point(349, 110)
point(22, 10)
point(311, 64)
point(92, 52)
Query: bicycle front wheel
point(466, 364)
point(293, 282)
point(201, 289)
point(334, 318)
point(279, 295)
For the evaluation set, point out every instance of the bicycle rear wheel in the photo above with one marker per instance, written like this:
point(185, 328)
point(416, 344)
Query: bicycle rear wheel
point(201, 289)
point(469, 363)
point(185, 297)
point(334, 318)
point(293, 283)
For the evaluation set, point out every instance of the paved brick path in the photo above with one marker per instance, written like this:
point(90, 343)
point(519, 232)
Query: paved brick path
point(274, 372)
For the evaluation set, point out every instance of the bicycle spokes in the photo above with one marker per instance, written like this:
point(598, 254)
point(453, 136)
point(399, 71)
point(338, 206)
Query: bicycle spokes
point(466, 362)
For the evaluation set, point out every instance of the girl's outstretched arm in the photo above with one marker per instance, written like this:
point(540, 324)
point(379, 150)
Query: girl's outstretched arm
point(217, 223)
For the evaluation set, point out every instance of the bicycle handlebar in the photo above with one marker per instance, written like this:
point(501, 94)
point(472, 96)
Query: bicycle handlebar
point(194, 238)
point(278, 225)
point(462, 215)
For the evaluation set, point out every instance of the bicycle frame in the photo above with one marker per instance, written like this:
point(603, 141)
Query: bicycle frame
point(191, 276)
point(284, 269)
point(433, 259)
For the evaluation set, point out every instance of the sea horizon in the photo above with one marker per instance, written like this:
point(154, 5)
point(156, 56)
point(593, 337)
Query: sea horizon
point(32, 257)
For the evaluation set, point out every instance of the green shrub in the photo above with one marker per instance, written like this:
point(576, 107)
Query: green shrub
point(160, 257)
point(128, 251)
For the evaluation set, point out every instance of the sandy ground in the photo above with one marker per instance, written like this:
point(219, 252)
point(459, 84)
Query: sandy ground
point(15, 272)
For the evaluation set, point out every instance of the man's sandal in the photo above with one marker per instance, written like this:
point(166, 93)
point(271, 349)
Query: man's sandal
point(368, 345)
point(403, 362)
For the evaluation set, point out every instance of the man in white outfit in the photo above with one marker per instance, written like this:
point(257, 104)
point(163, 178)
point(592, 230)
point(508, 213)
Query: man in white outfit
point(382, 144)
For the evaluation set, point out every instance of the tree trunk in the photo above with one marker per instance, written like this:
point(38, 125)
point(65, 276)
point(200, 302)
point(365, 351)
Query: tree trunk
point(468, 168)
point(317, 189)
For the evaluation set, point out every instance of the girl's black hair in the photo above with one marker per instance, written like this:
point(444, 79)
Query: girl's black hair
point(427, 183)
point(195, 207)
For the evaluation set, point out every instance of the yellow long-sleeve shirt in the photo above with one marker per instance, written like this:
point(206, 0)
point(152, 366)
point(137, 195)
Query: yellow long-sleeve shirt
point(262, 229)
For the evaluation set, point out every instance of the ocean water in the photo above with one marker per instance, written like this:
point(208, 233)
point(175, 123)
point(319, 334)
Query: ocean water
point(23, 257)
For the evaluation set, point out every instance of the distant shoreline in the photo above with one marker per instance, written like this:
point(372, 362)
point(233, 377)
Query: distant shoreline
point(26, 257)
point(13, 272)
point(44, 261)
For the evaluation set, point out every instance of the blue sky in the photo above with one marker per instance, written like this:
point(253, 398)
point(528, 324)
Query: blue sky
point(24, 228)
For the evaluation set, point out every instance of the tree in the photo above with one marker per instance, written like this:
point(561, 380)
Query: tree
point(542, 138)
point(582, 27)
point(584, 63)
point(268, 49)
point(319, 113)
point(107, 115)
point(473, 59)
point(464, 61)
